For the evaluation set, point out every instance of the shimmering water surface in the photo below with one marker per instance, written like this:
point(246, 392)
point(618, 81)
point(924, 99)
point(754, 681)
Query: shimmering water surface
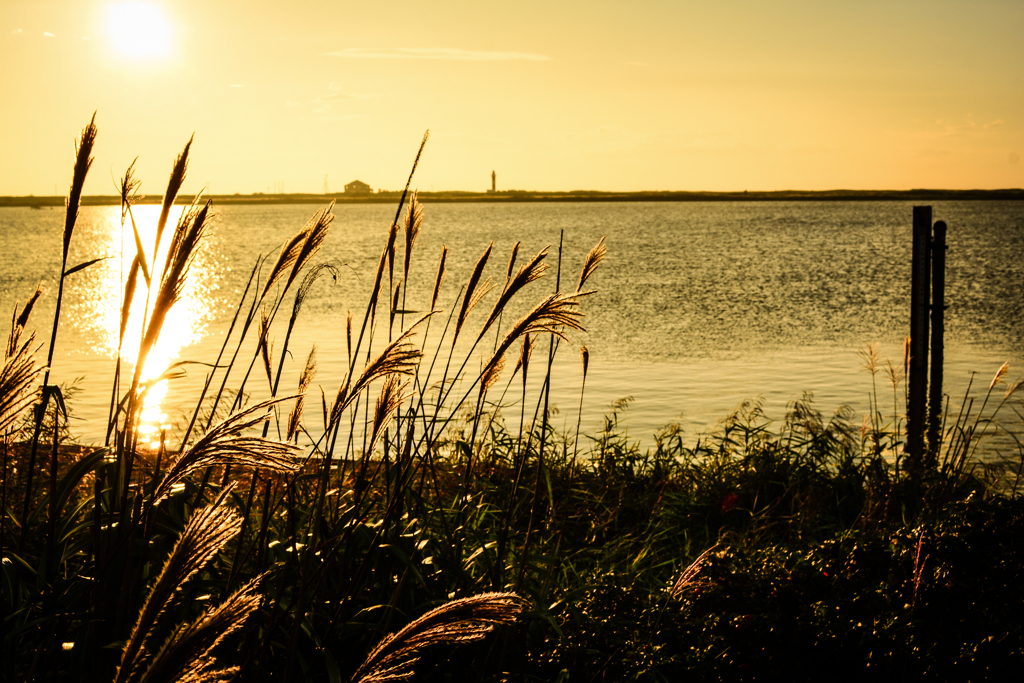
point(699, 305)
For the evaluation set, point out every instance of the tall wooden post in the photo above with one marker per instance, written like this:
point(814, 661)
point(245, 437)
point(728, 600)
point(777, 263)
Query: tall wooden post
point(938, 329)
point(917, 382)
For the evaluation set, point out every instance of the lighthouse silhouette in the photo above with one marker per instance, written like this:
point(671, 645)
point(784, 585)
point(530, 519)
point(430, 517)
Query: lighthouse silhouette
point(494, 181)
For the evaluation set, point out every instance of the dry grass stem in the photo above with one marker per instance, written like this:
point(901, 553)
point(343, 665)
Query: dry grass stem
point(394, 301)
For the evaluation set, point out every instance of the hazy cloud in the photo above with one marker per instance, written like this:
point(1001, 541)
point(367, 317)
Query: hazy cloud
point(341, 117)
point(445, 53)
point(48, 34)
point(335, 96)
point(17, 30)
point(237, 85)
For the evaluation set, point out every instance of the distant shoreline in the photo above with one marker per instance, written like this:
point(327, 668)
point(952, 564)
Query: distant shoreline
point(515, 196)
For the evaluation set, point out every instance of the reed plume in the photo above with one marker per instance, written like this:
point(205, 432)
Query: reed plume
point(394, 306)
point(83, 162)
point(286, 259)
point(314, 234)
point(413, 222)
point(459, 621)
point(492, 373)
point(593, 260)
point(524, 356)
point(390, 399)
point(181, 253)
point(386, 256)
point(18, 378)
point(553, 314)
point(295, 417)
point(264, 345)
point(185, 656)
point(585, 358)
point(398, 357)
point(20, 320)
point(1000, 373)
point(206, 533)
point(227, 444)
point(439, 279)
point(348, 336)
point(533, 270)
point(475, 291)
point(512, 260)
point(174, 183)
point(689, 575)
point(1012, 389)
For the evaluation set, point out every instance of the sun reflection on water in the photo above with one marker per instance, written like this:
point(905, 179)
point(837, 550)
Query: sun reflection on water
point(185, 324)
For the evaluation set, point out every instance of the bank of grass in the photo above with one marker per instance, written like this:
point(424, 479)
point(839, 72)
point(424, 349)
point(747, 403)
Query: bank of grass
point(420, 533)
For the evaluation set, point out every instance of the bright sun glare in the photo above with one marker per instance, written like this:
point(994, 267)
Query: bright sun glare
point(139, 29)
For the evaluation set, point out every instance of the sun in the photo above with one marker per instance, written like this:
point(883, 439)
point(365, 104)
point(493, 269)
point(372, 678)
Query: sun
point(139, 29)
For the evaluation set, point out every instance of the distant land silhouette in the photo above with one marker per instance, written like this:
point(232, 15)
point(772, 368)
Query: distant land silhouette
point(922, 195)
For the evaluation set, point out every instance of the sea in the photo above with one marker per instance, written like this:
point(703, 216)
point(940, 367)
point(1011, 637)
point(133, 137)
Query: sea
point(697, 308)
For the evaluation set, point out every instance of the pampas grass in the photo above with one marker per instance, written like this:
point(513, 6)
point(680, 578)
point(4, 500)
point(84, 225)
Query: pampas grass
point(185, 655)
point(459, 621)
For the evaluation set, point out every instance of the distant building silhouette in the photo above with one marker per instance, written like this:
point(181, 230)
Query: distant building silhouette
point(358, 187)
point(494, 182)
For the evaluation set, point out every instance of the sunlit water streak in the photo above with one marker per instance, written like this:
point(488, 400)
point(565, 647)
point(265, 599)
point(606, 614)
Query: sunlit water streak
point(90, 333)
point(700, 306)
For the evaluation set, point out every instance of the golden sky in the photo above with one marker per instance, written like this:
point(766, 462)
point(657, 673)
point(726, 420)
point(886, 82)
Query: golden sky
point(555, 95)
